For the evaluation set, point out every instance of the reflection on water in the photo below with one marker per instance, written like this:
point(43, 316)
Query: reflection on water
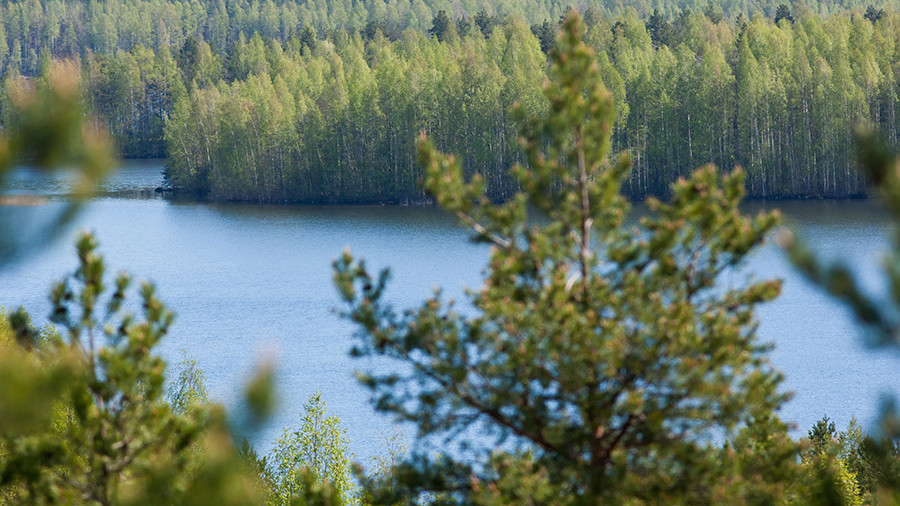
point(134, 179)
point(250, 281)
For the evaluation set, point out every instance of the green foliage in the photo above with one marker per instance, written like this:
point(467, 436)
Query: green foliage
point(189, 386)
point(316, 451)
point(839, 467)
point(822, 437)
point(606, 353)
point(250, 100)
point(873, 14)
point(28, 392)
point(83, 416)
point(783, 12)
point(270, 103)
point(118, 441)
point(259, 395)
point(546, 34)
point(257, 466)
point(690, 89)
point(440, 25)
point(827, 481)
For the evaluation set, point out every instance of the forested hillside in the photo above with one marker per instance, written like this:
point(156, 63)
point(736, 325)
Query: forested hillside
point(70, 28)
point(321, 101)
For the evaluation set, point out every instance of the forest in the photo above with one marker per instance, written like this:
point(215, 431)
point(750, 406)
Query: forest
point(320, 102)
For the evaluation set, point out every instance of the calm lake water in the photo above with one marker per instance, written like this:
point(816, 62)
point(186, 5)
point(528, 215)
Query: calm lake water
point(250, 282)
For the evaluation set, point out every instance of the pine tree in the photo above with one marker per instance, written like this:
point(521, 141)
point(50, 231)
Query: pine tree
point(602, 362)
point(783, 12)
point(440, 25)
point(873, 14)
point(485, 22)
point(100, 431)
point(660, 30)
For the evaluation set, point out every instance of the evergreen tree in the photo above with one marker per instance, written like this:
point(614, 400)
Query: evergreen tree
point(546, 35)
point(463, 25)
point(873, 14)
point(440, 24)
point(607, 358)
point(660, 30)
point(713, 13)
point(783, 12)
point(83, 416)
point(485, 22)
point(188, 58)
point(308, 38)
point(106, 434)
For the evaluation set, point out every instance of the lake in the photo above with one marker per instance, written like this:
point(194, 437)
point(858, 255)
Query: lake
point(250, 283)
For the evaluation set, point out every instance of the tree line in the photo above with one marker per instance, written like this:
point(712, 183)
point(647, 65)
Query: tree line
point(334, 120)
point(316, 115)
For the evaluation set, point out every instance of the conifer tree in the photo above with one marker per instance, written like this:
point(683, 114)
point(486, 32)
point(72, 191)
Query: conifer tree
point(109, 436)
point(783, 12)
point(873, 14)
point(603, 362)
point(439, 25)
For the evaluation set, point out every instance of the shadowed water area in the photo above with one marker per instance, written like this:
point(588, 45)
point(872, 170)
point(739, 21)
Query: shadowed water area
point(250, 283)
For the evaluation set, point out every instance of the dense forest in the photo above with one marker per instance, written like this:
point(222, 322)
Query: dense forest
point(322, 101)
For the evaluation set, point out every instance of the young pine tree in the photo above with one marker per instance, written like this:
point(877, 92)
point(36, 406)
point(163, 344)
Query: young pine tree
point(109, 435)
point(83, 417)
point(604, 363)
